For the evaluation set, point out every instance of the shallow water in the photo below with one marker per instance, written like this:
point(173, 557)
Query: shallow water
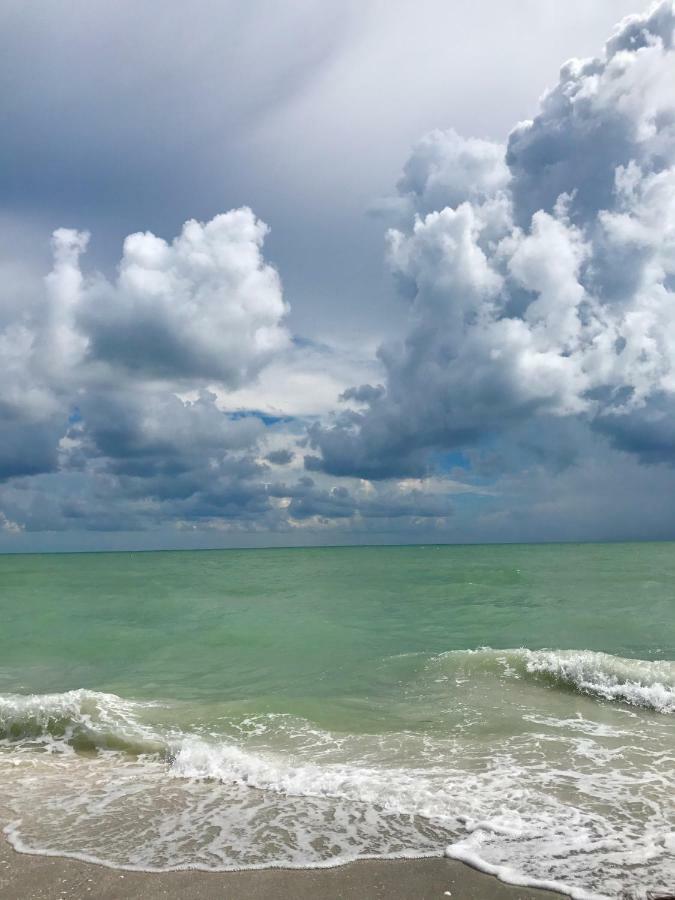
point(508, 705)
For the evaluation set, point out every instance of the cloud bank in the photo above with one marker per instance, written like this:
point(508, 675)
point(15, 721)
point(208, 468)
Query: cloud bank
point(121, 408)
point(540, 274)
point(533, 382)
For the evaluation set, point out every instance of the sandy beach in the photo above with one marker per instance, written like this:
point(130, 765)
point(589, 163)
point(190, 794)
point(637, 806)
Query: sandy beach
point(27, 877)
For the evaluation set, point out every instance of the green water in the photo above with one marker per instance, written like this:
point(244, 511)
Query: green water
point(272, 625)
point(331, 701)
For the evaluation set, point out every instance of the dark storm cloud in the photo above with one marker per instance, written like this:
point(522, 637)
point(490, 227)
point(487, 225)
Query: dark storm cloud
point(28, 448)
point(649, 432)
point(145, 429)
point(279, 457)
point(359, 446)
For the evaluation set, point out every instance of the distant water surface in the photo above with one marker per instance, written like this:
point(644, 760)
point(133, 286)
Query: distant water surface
point(508, 705)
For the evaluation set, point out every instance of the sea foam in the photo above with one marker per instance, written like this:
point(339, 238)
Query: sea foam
point(576, 802)
point(646, 683)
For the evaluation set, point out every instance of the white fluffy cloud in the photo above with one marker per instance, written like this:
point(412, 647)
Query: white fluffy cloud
point(446, 169)
point(98, 366)
point(206, 306)
point(544, 288)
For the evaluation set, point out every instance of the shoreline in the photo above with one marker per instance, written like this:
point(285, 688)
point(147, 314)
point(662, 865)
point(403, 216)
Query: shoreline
point(35, 877)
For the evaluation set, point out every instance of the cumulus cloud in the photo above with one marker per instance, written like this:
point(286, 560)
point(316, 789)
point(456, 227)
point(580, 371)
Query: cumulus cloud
point(603, 113)
point(446, 169)
point(125, 401)
point(304, 379)
point(205, 306)
point(94, 372)
point(542, 284)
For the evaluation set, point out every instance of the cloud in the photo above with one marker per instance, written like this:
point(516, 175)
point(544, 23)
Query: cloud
point(94, 375)
point(205, 306)
point(543, 284)
point(8, 525)
point(117, 121)
point(304, 379)
point(125, 400)
point(307, 502)
point(604, 494)
point(603, 113)
point(445, 169)
point(169, 391)
point(280, 457)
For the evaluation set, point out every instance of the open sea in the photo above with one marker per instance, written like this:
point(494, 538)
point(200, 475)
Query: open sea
point(510, 706)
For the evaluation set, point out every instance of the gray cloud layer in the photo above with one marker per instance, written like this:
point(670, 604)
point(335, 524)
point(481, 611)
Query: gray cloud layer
point(167, 393)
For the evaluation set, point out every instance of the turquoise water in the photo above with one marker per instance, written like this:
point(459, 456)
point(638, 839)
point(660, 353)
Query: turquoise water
point(509, 705)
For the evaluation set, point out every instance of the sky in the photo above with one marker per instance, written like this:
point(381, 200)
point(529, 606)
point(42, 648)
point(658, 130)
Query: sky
point(324, 273)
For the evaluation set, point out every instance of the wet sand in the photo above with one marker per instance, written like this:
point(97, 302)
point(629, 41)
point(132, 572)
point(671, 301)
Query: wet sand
point(27, 877)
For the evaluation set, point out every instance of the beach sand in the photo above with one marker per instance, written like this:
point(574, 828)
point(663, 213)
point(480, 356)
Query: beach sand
point(27, 877)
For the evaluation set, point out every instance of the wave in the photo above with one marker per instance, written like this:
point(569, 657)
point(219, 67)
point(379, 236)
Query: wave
point(542, 808)
point(86, 721)
point(646, 683)
point(78, 720)
point(394, 790)
point(649, 684)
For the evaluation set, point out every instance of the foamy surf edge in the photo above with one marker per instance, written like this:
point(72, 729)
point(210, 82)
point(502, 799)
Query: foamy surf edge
point(15, 841)
point(456, 852)
point(512, 876)
point(108, 722)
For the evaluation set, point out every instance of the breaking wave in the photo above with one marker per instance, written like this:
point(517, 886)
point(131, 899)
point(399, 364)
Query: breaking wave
point(638, 682)
point(91, 720)
point(78, 720)
point(558, 802)
point(649, 684)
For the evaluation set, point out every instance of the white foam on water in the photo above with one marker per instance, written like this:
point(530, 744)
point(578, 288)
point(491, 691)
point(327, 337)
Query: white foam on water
point(647, 684)
point(578, 803)
point(644, 683)
point(56, 721)
point(464, 853)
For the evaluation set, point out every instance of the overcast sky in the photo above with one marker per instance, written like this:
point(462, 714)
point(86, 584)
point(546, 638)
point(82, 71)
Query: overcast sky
point(317, 272)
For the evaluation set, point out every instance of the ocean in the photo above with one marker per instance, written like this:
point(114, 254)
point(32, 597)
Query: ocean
point(510, 706)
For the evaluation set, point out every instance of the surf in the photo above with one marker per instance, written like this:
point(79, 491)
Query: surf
point(545, 767)
point(649, 684)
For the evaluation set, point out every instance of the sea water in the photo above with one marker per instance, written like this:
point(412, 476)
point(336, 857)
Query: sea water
point(511, 706)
